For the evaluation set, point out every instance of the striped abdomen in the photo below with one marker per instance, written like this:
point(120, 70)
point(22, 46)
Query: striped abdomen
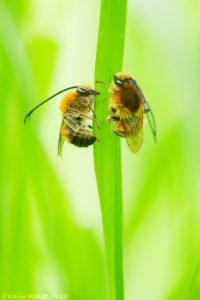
point(83, 140)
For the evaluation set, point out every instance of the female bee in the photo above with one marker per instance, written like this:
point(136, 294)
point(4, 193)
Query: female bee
point(127, 106)
point(76, 107)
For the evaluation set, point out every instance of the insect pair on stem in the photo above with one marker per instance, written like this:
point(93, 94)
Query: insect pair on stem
point(127, 106)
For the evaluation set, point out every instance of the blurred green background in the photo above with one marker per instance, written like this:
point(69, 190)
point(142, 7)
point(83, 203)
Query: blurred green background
point(51, 231)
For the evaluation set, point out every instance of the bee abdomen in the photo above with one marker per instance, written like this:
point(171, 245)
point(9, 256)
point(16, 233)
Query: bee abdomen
point(83, 141)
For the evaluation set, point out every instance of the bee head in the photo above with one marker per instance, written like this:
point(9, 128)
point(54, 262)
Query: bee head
point(86, 91)
point(122, 80)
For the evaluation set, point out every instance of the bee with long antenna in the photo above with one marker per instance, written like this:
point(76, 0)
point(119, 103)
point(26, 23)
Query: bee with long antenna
point(127, 106)
point(76, 108)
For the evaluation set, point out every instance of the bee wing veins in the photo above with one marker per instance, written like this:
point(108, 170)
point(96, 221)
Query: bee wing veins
point(72, 123)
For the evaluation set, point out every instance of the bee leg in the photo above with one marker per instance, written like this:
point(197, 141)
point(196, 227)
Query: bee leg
point(95, 121)
point(93, 118)
point(85, 102)
point(90, 118)
point(93, 112)
point(82, 115)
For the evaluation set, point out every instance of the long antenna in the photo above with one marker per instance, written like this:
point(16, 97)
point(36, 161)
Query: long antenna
point(41, 103)
point(103, 83)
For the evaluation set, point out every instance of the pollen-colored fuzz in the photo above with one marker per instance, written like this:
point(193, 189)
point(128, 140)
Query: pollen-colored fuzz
point(126, 98)
point(115, 99)
point(123, 76)
point(86, 87)
point(68, 99)
point(66, 134)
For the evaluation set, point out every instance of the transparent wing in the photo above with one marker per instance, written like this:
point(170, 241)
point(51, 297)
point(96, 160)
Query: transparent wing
point(151, 119)
point(71, 122)
point(60, 140)
point(148, 111)
point(133, 128)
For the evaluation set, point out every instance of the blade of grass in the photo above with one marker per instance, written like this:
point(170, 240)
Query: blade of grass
point(107, 155)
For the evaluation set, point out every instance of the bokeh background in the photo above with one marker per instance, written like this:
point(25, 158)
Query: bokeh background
point(51, 231)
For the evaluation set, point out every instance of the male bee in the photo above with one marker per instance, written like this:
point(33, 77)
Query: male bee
point(127, 106)
point(76, 108)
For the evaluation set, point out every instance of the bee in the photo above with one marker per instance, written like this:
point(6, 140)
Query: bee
point(127, 106)
point(76, 108)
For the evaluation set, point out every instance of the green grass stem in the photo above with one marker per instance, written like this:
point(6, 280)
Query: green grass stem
point(107, 155)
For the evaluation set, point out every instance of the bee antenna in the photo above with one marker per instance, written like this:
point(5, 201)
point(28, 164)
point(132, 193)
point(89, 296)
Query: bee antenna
point(41, 103)
point(103, 83)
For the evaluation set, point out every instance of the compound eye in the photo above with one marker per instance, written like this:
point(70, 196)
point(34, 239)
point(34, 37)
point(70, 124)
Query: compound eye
point(83, 91)
point(118, 81)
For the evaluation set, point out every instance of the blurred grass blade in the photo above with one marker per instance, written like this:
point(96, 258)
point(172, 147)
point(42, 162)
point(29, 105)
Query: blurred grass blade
point(40, 235)
point(193, 291)
point(107, 156)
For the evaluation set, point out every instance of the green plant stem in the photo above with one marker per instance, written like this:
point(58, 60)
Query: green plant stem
point(107, 154)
